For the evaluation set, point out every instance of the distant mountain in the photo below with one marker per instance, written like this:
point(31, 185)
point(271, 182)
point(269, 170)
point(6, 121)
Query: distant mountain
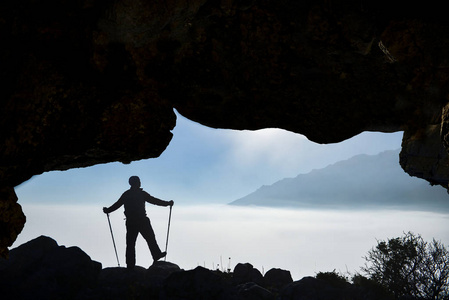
point(361, 182)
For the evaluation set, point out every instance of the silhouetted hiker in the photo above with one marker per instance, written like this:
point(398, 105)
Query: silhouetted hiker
point(137, 221)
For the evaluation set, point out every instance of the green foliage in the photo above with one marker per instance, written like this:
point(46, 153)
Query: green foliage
point(409, 266)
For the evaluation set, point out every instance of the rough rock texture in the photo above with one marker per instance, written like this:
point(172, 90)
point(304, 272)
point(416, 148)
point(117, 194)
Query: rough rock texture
point(12, 219)
point(40, 269)
point(86, 82)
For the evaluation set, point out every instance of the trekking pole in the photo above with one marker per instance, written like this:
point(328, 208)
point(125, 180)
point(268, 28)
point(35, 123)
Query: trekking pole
point(113, 241)
point(168, 230)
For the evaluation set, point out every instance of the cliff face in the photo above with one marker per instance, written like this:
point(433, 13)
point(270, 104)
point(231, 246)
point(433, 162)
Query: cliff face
point(87, 82)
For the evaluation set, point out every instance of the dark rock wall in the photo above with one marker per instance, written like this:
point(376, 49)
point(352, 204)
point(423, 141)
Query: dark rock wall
point(87, 82)
point(12, 219)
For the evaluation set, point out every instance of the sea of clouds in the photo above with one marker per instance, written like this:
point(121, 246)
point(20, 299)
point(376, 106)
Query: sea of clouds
point(220, 236)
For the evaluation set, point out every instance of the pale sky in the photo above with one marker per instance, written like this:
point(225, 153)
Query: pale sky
point(203, 165)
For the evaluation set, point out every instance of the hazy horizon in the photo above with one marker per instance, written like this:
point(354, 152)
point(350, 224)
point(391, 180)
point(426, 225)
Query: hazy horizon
point(361, 182)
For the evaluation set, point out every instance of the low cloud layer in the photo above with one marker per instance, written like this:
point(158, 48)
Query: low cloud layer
point(304, 242)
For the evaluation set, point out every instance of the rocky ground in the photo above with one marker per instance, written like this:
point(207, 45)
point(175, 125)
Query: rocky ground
point(41, 269)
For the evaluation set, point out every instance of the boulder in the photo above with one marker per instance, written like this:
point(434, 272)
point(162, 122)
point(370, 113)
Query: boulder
point(121, 283)
point(24, 257)
point(277, 278)
point(40, 269)
point(244, 273)
point(159, 271)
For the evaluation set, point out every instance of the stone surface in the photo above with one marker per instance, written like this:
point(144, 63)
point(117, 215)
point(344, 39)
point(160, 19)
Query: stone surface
point(424, 155)
point(88, 82)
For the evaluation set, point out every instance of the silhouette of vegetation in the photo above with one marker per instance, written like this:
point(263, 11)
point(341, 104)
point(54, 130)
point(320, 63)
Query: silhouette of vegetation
point(380, 291)
point(333, 278)
point(409, 266)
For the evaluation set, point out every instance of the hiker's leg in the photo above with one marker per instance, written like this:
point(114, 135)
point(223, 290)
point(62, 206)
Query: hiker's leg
point(131, 235)
point(148, 234)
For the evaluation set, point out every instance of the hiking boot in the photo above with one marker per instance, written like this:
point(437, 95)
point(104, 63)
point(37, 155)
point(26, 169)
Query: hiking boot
point(162, 254)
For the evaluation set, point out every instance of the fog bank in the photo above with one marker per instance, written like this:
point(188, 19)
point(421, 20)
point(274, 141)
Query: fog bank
point(220, 236)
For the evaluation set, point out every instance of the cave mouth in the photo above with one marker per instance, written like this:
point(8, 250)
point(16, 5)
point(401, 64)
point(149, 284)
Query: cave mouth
point(87, 83)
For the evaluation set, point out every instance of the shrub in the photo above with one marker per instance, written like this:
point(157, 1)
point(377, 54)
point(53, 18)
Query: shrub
point(409, 266)
point(333, 278)
point(373, 286)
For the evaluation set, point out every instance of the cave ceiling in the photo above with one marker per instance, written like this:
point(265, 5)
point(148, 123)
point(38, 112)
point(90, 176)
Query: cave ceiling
point(89, 82)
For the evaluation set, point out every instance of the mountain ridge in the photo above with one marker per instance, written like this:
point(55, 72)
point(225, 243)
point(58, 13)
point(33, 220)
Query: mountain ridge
point(360, 182)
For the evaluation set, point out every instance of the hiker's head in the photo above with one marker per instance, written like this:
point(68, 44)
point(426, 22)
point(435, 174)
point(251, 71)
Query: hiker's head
point(134, 181)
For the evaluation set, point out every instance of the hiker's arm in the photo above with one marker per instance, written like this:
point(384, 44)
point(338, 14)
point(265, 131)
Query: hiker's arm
point(114, 206)
point(157, 201)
